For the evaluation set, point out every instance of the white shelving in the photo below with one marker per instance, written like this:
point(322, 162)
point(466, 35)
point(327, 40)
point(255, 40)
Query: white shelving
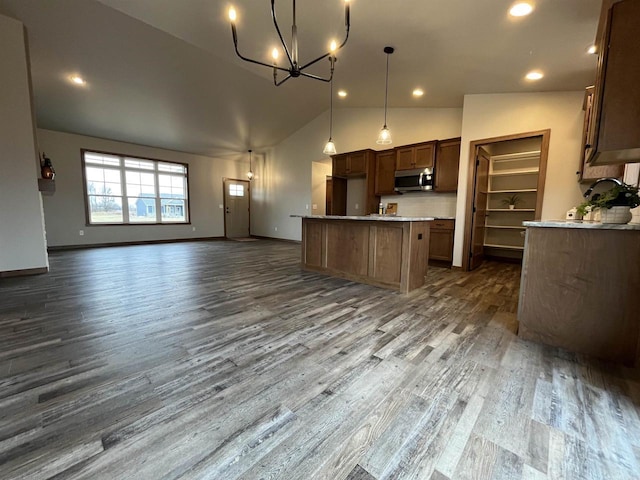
point(511, 174)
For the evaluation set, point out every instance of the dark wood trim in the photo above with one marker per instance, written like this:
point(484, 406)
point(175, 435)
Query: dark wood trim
point(286, 240)
point(83, 246)
point(471, 180)
point(23, 272)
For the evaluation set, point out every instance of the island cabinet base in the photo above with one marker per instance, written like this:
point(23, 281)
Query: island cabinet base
point(389, 254)
point(579, 291)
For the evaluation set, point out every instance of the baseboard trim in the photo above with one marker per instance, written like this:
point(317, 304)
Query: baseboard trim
point(58, 248)
point(26, 271)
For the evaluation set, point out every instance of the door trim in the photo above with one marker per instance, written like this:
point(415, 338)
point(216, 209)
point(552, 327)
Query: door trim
point(471, 180)
point(224, 200)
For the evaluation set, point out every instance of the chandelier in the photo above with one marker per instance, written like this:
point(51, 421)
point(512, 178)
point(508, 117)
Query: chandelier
point(294, 69)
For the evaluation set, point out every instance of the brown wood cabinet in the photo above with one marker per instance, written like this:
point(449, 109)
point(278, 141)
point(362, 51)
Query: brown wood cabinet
point(349, 164)
point(441, 240)
point(447, 164)
point(588, 173)
point(613, 130)
point(358, 164)
point(385, 172)
point(421, 155)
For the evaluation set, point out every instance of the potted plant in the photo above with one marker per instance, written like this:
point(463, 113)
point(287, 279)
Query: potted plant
point(614, 204)
point(512, 201)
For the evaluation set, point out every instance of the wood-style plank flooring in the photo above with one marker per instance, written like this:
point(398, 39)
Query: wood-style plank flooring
point(223, 360)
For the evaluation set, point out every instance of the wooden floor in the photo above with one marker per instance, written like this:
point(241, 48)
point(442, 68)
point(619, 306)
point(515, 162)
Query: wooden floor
point(223, 360)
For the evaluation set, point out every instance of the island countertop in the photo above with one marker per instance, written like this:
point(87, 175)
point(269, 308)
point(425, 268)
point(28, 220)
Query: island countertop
point(582, 224)
point(375, 218)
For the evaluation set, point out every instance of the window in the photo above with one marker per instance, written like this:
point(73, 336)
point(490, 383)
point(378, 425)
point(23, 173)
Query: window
point(236, 190)
point(127, 190)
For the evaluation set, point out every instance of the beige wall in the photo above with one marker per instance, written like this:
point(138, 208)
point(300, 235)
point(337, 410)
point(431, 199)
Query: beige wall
point(487, 116)
point(65, 211)
point(22, 237)
point(288, 167)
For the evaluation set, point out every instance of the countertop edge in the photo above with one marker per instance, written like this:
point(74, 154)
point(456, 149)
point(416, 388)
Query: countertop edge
point(371, 218)
point(580, 224)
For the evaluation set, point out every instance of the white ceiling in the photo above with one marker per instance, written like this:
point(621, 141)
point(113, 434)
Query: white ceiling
point(164, 72)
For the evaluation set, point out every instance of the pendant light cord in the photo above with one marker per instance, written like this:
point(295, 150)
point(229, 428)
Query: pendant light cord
point(386, 90)
point(330, 109)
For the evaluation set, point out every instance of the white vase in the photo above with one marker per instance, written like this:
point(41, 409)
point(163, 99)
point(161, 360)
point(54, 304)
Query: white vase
point(619, 215)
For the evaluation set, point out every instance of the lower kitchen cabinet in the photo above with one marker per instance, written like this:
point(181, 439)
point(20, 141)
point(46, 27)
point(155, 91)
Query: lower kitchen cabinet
point(441, 240)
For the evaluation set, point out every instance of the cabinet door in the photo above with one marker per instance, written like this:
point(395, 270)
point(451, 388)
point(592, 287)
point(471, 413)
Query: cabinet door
point(441, 245)
point(447, 163)
point(587, 173)
point(357, 163)
point(340, 165)
point(404, 158)
point(385, 172)
point(424, 155)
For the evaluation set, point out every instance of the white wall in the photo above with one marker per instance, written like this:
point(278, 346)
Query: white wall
point(65, 210)
point(288, 168)
point(319, 173)
point(22, 237)
point(487, 116)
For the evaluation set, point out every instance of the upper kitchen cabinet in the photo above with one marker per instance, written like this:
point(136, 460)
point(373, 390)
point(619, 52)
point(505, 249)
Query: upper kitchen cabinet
point(447, 164)
point(613, 135)
point(421, 155)
point(588, 173)
point(353, 163)
point(385, 172)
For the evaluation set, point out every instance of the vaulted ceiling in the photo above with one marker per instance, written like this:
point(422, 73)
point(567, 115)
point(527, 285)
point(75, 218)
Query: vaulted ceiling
point(164, 72)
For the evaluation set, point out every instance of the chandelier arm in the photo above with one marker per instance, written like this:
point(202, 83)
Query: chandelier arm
point(275, 23)
point(277, 84)
point(316, 77)
point(328, 53)
point(247, 59)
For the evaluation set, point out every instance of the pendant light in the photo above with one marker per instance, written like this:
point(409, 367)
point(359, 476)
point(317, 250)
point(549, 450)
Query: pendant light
point(384, 137)
point(250, 172)
point(330, 147)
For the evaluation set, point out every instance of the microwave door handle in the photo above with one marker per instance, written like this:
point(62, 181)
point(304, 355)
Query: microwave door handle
point(420, 180)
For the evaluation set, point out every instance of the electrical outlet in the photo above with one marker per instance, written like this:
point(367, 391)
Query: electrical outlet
point(306, 207)
point(220, 206)
point(194, 229)
point(275, 228)
point(81, 233)
point(357, 206)
point(314, 206)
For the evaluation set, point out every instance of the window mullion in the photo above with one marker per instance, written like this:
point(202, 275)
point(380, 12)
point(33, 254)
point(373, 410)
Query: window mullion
point(125, 195)
point(157, 190)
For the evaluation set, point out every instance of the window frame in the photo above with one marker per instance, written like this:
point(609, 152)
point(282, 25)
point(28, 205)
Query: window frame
point(125, 207)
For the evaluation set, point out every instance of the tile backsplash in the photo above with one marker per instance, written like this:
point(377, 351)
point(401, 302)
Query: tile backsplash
point(421, 204)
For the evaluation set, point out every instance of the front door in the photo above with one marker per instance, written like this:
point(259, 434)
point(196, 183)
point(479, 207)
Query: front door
point(236, 208)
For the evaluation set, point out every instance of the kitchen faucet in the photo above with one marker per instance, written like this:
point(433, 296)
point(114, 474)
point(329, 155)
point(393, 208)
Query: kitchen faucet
point(600, 180)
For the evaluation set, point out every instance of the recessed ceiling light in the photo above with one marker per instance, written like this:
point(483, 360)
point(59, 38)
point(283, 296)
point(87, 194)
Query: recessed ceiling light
point(78, 80)
point(418, 92)
point(342, 93)
point(534, 75)
point(592, 49)
point(521, 9)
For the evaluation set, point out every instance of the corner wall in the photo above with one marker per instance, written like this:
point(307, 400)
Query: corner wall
point(22, 237)
point(488, 116)
point(65, 210)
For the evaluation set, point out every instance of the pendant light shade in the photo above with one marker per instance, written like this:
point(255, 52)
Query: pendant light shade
point(330, 147)
point(250, 172)
point(384, 137)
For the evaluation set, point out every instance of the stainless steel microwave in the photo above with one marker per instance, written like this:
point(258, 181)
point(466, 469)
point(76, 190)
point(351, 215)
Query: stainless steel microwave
point(418, 180)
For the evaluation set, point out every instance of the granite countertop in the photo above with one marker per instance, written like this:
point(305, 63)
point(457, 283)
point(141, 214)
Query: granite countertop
point(582, 224)
point(379, 218)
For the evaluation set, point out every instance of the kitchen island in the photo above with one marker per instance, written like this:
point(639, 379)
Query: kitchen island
point(579, 288)
point(386, 251)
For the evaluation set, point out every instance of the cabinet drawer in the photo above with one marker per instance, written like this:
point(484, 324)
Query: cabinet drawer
point(442, 224)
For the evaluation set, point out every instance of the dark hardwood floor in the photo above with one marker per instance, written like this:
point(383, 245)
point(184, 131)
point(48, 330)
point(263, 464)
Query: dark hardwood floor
point(223, 360)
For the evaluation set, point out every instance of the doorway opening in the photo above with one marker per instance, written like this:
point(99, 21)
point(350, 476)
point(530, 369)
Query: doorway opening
point(237, 206)
point(505, 188)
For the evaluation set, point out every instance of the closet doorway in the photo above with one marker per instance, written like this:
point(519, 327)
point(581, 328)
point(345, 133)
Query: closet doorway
point(505, 188)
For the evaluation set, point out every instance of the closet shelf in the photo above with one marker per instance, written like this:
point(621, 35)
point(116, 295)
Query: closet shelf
point(511, 209)
point(523, 190)
point(506, 247)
